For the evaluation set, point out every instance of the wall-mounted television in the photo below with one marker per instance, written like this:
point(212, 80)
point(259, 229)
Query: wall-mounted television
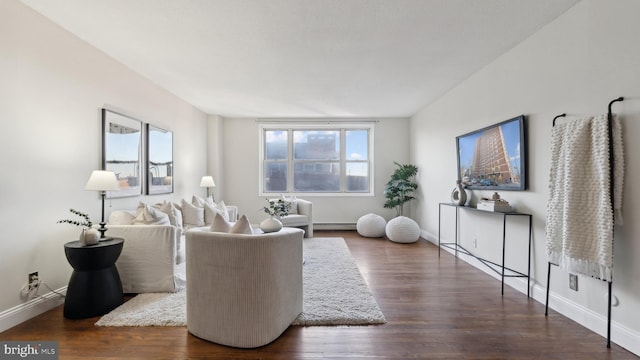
point(494, 157)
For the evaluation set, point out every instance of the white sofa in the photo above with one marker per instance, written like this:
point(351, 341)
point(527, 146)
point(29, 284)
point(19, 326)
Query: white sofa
point(300, 215)
point(249, 287)
point(153, 256)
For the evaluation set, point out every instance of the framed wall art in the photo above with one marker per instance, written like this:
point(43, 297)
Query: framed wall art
point(494, 157)
point(159, 160)
point(122, 152)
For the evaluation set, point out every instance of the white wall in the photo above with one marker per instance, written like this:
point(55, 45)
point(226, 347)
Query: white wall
point(240, 164)
point(577, 64)
point(52, 88)
point(214, 153)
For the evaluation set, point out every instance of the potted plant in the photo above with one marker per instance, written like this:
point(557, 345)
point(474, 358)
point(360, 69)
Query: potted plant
point(89, 235)
point(400, 188)
point(276, 209)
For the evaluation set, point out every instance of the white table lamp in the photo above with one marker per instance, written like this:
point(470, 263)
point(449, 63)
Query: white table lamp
point(207, 181)
point(102, 181)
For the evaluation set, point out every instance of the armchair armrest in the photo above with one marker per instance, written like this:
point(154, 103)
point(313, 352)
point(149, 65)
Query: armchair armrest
point(304, 207)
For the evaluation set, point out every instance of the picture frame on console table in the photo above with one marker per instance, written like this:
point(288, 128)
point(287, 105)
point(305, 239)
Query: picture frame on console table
point(122, 152)
point(494, 157)
point(159, 160)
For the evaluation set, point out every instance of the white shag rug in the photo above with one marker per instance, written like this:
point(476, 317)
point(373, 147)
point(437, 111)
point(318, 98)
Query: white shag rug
point(335, 293)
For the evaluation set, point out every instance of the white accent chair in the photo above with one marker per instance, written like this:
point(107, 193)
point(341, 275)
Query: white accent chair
point(300, 215)
point(244, 290)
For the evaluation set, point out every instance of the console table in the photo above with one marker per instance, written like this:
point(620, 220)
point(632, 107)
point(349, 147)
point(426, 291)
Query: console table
point(499, 269)
point(95, 287)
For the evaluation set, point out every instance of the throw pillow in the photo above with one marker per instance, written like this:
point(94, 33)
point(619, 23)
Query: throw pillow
point(147, 215)
point(220, 224)
point(175, 214)
point(242, 226)
point(121, 217)
point(222, 210)
point(199, 202)
point(292, 201)
point(192, 215)
point(210, 211)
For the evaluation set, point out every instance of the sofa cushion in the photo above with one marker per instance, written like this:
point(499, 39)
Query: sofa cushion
point(148, 215)
point(295, 220)
point(192, 215)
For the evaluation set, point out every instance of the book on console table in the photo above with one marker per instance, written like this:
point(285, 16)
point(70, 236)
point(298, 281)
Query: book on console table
point(496, 206)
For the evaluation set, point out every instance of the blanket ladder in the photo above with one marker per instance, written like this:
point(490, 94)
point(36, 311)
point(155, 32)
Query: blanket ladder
point(611, 189)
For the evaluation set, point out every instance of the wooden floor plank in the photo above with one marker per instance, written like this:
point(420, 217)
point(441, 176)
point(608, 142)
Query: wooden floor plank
point(436, 308)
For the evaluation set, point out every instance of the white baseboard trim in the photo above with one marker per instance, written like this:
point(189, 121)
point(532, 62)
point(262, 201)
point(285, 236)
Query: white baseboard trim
point(30, 309)
point(620, 334)
point(334, 226)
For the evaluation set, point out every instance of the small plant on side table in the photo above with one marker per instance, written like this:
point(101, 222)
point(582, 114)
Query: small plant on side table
point(89, 235)
point(87, 223)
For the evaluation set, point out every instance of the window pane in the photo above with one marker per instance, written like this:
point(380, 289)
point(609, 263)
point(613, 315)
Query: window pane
point(316, 176)
point(276, 144)
point(316, 145)
point(275, 177)
point(357, 177)
point(357, 144)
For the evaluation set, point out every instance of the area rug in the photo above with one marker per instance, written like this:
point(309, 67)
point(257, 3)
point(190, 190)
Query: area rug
point(335, 293)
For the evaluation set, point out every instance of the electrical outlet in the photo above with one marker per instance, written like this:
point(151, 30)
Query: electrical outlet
point(33, 280)
point(573, 282)
point(475, 243)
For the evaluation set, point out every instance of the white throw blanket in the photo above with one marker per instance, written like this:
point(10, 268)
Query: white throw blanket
point(579, 213)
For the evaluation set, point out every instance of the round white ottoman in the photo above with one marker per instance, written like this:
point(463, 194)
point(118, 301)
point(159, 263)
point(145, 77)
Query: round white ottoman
point(403, 230)
point(371, 225)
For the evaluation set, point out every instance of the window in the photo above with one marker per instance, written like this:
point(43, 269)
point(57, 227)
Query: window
point(319, 159)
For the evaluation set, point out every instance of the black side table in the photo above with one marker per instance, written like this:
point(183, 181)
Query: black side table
point(94, 288)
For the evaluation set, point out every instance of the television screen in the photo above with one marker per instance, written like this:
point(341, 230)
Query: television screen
point(494, 158)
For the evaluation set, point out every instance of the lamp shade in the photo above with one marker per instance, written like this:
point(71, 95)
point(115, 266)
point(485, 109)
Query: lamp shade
point(101, 180)
point(207, 181)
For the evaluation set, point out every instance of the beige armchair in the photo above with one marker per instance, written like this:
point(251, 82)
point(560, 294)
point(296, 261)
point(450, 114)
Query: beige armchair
point(300, 215)
point(244, 290)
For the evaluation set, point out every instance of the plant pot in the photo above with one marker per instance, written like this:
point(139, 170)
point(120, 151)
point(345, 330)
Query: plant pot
point(90, 237)
point(81, 238)
point(271, 224)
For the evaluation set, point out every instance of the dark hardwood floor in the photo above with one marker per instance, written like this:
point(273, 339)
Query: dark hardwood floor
point(436, 308)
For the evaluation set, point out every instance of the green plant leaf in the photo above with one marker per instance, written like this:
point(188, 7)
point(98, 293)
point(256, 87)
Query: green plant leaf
point(399, 189)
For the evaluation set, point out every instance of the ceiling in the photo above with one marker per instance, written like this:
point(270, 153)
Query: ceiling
point(304, 58)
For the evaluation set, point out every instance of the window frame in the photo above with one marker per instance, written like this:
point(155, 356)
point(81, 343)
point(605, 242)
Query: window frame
point(341, 127)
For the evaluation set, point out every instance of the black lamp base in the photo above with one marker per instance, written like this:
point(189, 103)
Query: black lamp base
point(102, 228)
